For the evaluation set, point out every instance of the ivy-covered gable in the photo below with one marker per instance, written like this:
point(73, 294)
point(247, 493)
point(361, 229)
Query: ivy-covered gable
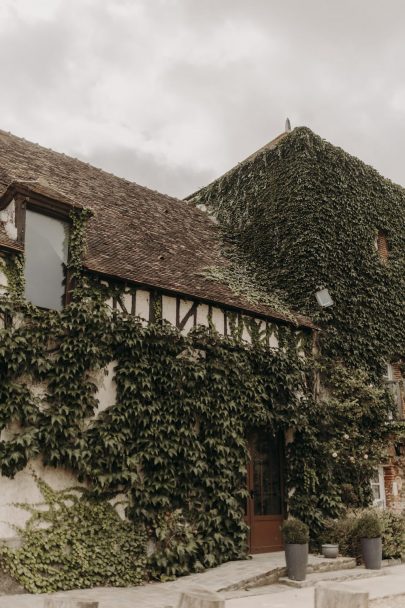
point(304, 214)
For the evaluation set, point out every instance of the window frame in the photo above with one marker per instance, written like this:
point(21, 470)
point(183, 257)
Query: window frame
point(382, 246)
point(26, 198)
point(380, 484)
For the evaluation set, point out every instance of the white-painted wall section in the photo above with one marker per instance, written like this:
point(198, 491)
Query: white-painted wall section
point(106, 394)
point(23, 489)
point(7, 216)
point(169, 309)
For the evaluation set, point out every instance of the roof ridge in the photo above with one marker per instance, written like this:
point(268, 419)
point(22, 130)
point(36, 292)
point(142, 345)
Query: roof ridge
point(87, 164)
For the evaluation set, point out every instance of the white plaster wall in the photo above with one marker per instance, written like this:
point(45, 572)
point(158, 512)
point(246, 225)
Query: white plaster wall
point(169, 309)
point(106, 394)
point(24, 489)
point(7, 216)
point(142, 304)
point(261, 328)
point(246, 333)
point(185, 306)
point(218, 320)
point(273, 341)
point(127, 302)
point(202, 315)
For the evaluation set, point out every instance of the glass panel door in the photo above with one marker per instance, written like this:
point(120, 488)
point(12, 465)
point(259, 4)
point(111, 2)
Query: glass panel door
point(266, 476)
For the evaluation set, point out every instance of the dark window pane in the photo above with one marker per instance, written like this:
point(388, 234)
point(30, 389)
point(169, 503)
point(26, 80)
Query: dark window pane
point(46, 250)
point(266, 476)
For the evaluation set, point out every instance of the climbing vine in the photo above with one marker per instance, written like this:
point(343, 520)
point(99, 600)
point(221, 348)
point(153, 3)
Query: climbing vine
point(303, 215)
point(244, 283)
point(174, 444)
point(13, 268)
point(71, 541)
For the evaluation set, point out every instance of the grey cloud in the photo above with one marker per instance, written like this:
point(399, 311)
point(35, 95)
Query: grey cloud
point(146, 170)
point(172, 93)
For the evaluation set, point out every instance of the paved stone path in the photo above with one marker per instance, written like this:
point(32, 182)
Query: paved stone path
point(164, 595)
point(385, 591)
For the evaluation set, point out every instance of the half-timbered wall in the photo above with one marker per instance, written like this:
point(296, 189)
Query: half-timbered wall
point(186, 314)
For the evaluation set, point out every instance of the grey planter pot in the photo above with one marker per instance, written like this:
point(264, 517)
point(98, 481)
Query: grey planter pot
point(371, 549)
point(296, 557)
point(330, 551)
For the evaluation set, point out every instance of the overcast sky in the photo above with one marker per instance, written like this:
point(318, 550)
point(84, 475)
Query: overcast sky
point(172, 93)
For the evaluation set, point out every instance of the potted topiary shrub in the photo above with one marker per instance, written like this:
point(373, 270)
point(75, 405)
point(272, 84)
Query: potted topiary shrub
point(296, 537)
point(368, 530)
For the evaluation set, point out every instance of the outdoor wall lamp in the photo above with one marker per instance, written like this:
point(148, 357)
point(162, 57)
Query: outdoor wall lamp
point(323, 297)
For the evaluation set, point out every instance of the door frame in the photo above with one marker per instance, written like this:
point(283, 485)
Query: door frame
point(249, 518)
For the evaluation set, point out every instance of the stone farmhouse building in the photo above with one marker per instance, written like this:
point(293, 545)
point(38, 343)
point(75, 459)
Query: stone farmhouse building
point(152, 249)
point(150, 253)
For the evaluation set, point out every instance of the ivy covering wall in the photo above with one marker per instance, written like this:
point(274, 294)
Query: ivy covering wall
point(174, 444)
point(304, 214)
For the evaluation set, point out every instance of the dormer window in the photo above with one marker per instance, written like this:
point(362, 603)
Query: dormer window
point(37, 219)
point(46, 256)
point(381, 245)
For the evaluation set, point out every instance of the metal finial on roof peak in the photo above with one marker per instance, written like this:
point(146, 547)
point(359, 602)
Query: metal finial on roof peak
point(287, 125)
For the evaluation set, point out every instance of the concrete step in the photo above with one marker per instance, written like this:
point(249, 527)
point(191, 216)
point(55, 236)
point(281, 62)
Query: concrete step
point(335, 576)
point(330, 565)
point(270, 576)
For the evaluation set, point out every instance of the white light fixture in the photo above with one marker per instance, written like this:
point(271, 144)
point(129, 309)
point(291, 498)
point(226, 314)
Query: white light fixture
point(323, 298)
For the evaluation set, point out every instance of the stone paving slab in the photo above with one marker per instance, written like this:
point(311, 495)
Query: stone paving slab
point(386, 591)
point(339, 576)
point(230, 576)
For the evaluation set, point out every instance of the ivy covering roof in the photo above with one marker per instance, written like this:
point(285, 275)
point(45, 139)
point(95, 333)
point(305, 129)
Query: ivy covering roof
point(304, 214)
point(135, 234)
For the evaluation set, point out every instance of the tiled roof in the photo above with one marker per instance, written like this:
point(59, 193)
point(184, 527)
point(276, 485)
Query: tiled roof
point(135, 234)
point(6, 242)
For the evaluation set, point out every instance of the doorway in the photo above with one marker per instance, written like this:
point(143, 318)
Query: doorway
point(265, 504)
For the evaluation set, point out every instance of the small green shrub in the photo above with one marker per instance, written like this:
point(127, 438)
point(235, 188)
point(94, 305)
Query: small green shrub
point(346, 532)
point(295, 531)
point(368, 525)
point(342, 532)
point(393, 534)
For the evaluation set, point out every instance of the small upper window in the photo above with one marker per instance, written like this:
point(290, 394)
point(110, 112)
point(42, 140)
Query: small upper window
point(381, 244)
point(46, 256)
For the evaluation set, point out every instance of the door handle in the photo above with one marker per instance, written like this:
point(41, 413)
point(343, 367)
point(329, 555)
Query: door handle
point(252, 493)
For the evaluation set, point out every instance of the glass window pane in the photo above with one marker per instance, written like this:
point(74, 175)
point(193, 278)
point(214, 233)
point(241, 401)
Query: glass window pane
point(266, 476)
point(46, 250)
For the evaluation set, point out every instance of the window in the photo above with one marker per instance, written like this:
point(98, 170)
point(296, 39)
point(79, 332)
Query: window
point(46, 255)
point(393, 379)
point(378, 488)
point(381, 245)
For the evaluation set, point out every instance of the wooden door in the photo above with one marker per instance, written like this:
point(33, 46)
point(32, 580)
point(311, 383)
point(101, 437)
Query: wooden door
point(266, 502)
